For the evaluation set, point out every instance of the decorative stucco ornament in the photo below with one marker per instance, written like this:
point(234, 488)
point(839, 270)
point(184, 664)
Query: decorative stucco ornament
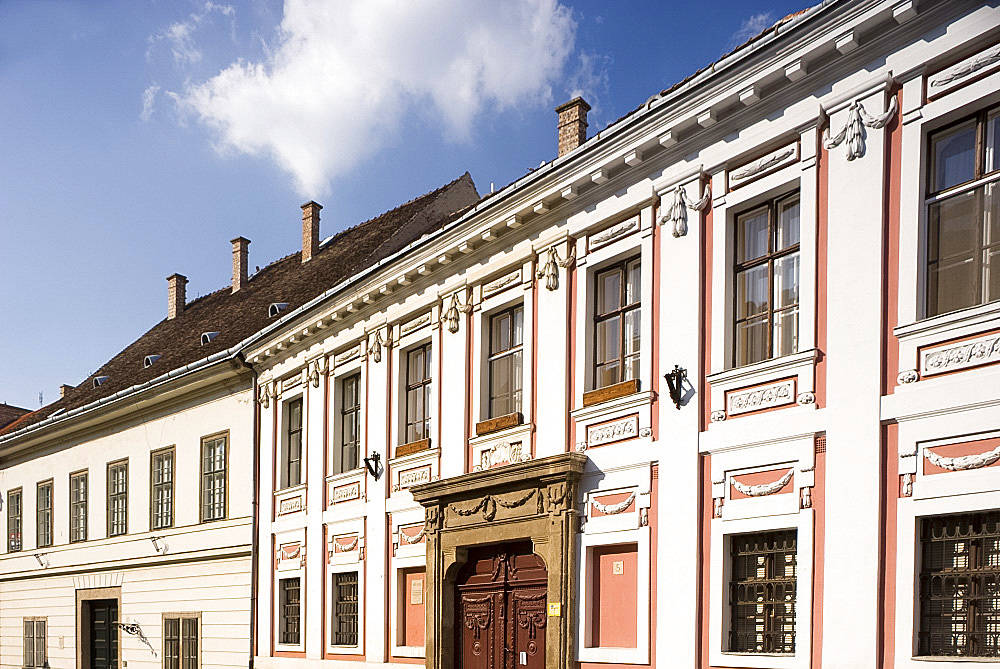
point(907, 376)
point(762, 489)
point(376, 348)
point(718, 416)
point(451, 315)
point(964, 69)
point(414, 539)
point(612, 509)
point(677, 213)
point(550, 270)
point(964, 462)
point(852, 135)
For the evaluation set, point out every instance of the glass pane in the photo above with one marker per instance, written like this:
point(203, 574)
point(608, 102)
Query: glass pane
point(786, 332)
point(607, 374)
point(954, 226)
point(991, 209)
point(428, 359)
point(518, 326)
point(295, 415)
point(516, 364)
point(633, 291)
point(786, 281)
point(632, 330)
point(751, 235)
point(751, 292)
point(500, 388)
point(954, 154)
point(500, 337)
point(787, 232)
point(751, 342)
point(609, 291)
point(951, 286)
point(991, 274)
point(415, 366)
point(608, 340)
point(631, 368)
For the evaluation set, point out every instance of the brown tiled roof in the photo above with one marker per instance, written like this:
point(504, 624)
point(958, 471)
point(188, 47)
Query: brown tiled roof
point(8, 414)
point(236, 316)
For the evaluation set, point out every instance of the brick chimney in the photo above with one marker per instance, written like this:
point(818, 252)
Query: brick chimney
point(63, 389)
point(240, 257)
point(310, 230)
point(572, 124)
point(176, 298)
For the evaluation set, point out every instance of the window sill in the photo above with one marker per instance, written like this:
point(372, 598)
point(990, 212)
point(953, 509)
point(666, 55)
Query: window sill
point(942, 324)
point(408, 651)
point(411, 448)
point(612, 392)
point(349, 475)
point(587, 413)
point(491, 425)
point(751, 373)
point(953, 658)
point(290, 489)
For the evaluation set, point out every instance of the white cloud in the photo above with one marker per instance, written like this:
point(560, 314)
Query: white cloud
point(589, 80)
point(180, 35)
point(148, 102)
point(342, 77)
point(751, 27)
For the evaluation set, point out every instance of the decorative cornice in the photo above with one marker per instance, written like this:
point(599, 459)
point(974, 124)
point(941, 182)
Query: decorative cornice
point(762, 489)
point(852, 135)
point(964, 462)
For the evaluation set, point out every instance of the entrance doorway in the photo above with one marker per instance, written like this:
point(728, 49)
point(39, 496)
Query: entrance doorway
point(500, 603)
point(100, 634)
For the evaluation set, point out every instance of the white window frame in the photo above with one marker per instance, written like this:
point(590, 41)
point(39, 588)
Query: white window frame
point(339, 563)
point(294, 569)
point(282, 451)
point(337, 377)
point(406, 343)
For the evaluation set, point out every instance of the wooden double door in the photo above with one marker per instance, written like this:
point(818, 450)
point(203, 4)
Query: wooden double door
point(101, 633)
point(501, 609)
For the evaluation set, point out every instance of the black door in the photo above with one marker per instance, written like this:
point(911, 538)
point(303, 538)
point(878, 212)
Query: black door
point(103, 613)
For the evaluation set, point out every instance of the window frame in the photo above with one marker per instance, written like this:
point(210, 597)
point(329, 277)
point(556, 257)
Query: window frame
point(333, 576)
point(621, 265)
point(281, 617)
point(205, 441)
point(770, 575)
point(424, 385)
point(931, 197)
point(34, 620)
point(18, 518)
point(114, 496)
point(772, 205)
point(340, 563)
point(492, 357)
point(288, 431)
point(170, 486)
point(181, 618)
point(78, 532)
point(343, 414)
point(50, 520)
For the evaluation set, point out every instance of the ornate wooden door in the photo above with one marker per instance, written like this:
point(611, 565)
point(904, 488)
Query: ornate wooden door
point(501, 595)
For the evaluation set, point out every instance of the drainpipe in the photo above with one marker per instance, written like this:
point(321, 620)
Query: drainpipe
point(254, 543)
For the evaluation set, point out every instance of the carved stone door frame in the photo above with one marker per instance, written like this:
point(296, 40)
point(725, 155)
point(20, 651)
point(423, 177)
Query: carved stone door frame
point(534, 500)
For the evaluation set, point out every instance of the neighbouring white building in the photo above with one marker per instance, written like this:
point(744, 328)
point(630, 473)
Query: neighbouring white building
point(716, 387)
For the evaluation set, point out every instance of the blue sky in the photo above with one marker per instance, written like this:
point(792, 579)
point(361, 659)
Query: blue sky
point(138, 137)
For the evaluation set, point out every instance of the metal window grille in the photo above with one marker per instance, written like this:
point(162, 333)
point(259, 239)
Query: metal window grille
point(762, 592)
point(163, 489)
point(290, 615)
point(617, 315)
point(766, 291)
point(350, 424)
point(345, 609)
point(960, 585)
point(34, 643)
point(506, 339)
point(418, 393)
point(14, 520)
point(213, 479)
point(293, 450)
point(43, 514)
point(78, 507)
point(117, 498)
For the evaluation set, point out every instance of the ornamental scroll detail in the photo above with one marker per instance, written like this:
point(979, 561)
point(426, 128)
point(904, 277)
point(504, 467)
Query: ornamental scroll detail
point(488, 505)
point(964, 462)
point(970, 353)
point(503, 453)
point(776, 394)
point(478, 613)
point(852, 135)
point(762, 489)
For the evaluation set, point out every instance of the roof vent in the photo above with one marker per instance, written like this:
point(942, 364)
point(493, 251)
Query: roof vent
point(149, 360)
point(98, 380)
point(276, 308)
point(208, 337)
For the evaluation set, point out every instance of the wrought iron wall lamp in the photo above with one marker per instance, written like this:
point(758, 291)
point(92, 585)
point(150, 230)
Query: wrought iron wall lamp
point(372, 464)
point(675, 380)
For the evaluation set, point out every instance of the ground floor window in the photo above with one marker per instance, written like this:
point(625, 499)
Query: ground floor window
point(762, 592)
point(960, 585)
point(180, 641)
point(345, 608)
point(290, 613)
point(34, 642)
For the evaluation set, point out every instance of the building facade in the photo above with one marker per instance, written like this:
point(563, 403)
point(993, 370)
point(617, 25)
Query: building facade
point(716, 387)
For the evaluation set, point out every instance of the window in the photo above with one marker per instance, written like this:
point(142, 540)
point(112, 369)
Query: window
point(213, 477)
point(350, 424)
point(78, 506)
point(506, 339)
point(963, 214)
point(14, 510)
point(291, 469)
point(117, 498)
point(162, 494)
point(616, 324)
point(35, 654)
point(345, 609)
point(960, 585)
point(767, 281)
point(180, 641)
point(289, 614)
point(762, 592)
point(43, 514)
point(418, 393)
